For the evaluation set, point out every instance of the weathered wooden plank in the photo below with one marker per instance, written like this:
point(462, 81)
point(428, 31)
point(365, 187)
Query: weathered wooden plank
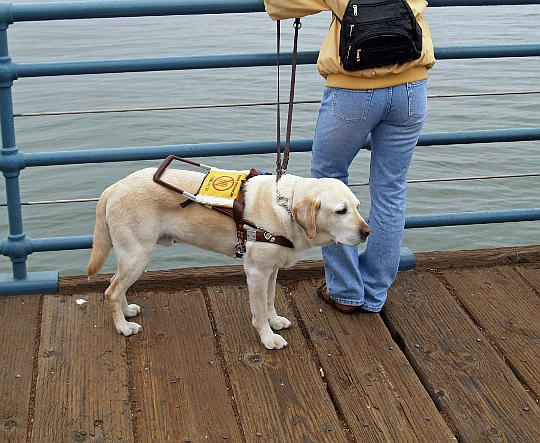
point(372, 383)
point(185, 278)
point(531, 273)
point(460, 369)
point(18, 326)
point(508, 309)
point(82, 385)
point(280, 394)
point(477, 257)
point(180, 393)
point(216, 275)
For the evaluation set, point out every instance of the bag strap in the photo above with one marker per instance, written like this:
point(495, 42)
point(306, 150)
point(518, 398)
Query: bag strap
point(281, 166)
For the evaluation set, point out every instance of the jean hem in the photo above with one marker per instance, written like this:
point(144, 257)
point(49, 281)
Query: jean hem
point(371, 309)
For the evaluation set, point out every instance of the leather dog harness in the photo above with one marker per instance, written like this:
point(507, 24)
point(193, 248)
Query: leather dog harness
point(243, 234)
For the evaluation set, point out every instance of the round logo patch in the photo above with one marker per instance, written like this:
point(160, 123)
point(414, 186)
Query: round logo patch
point(223, 183)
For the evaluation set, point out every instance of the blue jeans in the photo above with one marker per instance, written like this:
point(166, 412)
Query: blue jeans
point(394, 117)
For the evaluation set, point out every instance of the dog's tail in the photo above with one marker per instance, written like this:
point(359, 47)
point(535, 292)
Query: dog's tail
point(102, 239)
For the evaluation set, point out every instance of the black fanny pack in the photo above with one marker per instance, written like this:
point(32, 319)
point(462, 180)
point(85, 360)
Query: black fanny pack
point(377, 33)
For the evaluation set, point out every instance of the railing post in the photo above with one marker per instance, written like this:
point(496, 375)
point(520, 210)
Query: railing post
point(17, 246)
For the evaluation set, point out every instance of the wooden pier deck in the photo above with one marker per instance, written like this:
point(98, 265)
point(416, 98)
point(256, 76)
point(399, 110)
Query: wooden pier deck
point(454, 356)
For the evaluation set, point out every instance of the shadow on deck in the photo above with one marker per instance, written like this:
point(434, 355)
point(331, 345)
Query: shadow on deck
point(455, 356)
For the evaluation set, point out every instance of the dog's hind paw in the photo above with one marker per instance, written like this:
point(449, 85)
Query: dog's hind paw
point(277, 323)
point(274, 341)
point(132, 310)
point(128, 328)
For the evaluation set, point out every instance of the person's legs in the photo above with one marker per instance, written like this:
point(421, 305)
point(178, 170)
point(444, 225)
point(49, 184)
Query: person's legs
point(394, 116)
point(346, 117)
point(393, 141)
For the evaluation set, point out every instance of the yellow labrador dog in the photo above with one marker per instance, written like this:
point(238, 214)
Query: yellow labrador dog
point(136, 213)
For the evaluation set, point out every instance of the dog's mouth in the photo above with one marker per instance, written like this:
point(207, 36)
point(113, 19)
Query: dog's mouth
point(363, 237)
point(362, 240)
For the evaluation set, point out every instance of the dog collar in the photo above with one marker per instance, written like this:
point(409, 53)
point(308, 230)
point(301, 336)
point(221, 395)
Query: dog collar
point(283, 201)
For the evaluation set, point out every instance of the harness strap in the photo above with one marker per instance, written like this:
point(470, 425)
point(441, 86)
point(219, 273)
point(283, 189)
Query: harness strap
point(255, 234)
point(238, 211)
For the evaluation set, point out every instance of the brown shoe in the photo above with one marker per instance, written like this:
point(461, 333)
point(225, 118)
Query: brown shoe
point(322, 292)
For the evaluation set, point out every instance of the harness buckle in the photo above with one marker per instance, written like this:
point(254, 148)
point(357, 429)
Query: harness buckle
point(251, 235)
point(269, 236)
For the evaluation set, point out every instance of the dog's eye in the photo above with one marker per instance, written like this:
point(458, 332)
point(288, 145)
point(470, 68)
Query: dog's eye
point(341, 211)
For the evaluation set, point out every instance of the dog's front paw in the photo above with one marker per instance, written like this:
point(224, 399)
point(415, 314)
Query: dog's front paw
point(128, 328)
point(274, 341)
point(132, 311)
point(277, 323)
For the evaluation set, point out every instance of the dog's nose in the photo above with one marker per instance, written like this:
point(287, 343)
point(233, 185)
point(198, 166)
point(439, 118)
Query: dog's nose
point(364, 232)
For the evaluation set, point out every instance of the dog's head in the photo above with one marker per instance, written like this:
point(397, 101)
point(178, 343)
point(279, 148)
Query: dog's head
point(327, 211)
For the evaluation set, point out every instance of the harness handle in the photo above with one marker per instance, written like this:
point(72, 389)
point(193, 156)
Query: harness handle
point(163, 167)
point(281, 166)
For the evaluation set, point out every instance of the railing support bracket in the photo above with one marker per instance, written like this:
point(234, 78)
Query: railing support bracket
point(406, 261)
point(34, 283)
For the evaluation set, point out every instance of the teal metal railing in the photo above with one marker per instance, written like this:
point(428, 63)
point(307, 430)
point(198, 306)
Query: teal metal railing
point(17, 246)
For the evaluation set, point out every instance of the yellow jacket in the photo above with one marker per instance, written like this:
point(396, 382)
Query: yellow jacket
point(329, 63)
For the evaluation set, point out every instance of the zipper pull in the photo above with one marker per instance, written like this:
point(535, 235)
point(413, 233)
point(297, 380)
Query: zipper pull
point(351, 30)
point(355, 9)
point(358, 54)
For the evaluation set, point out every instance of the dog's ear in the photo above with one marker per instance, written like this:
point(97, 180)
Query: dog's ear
point(304, 215)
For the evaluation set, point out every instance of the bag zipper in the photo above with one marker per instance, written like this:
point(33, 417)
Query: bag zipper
point(377, 34)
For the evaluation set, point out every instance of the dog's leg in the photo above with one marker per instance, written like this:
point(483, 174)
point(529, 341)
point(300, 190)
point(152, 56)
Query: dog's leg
point(127, 309)
point(276, 322)
point(257, 280)
point(131, 265)
point(114, 295)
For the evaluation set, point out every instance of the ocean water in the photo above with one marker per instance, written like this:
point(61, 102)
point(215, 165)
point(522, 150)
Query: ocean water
point(255, 33)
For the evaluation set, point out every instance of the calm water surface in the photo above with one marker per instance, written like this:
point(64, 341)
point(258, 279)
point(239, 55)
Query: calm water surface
point(255, 33)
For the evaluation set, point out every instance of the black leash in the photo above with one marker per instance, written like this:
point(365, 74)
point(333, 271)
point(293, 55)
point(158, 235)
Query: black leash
point(281, 166)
